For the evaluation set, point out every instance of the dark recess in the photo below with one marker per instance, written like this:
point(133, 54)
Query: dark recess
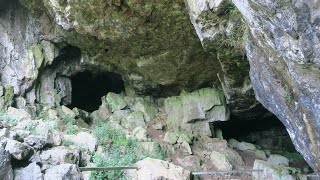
point(88, 88)
point(247, 130)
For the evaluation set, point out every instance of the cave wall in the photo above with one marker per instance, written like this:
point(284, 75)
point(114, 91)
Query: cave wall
point(153, 45)
point(283, 50)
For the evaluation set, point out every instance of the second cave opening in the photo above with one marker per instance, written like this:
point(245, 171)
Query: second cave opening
point(88, 87)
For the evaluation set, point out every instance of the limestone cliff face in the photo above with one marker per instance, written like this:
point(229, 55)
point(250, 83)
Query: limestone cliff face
point(153, 45)
point(283, 50)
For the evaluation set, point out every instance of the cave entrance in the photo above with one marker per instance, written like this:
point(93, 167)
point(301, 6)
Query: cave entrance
point(89, 87)
point(268, 133)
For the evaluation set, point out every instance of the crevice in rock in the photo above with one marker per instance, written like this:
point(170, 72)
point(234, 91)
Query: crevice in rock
point(89, 87)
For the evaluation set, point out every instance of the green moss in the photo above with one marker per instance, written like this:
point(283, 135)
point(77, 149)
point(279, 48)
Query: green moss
point(38, 55)
point(8, 96)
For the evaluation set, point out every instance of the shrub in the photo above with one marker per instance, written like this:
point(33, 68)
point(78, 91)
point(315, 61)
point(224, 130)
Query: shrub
point(121, 153)
point(105, 131)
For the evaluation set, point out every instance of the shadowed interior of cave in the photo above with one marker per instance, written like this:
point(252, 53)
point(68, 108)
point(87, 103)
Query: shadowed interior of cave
point(88, 88)
point(268, 132)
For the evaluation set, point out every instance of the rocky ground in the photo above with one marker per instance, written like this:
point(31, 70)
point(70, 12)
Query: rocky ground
point(165, 138)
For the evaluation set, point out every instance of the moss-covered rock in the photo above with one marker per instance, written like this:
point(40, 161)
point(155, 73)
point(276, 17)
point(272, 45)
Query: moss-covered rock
point(193, 111)
point(115, 102)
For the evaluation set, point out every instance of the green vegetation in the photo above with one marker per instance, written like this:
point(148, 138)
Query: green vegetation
point(69, 124)
point(7, 118)
point(104, 132)
point(122, 151)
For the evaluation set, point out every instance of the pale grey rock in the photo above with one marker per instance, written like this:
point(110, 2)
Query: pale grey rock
point(68, 112)
point(193, 111)
point(276, 159)
point(244, 146)
point(18, 114)
point(115, 101)
point(60, 155)
point(83, 140)
point(4, 133)
point(275, 172)
point(220, 161)
point(140, 134)
point(18, 150)
point(149, 168)
point(283, 52)
point(148, 109)
point(133, 120)
point(31, 172)
point(171, 137)
point(63, 172)
point(37, 142)
point(6, 172)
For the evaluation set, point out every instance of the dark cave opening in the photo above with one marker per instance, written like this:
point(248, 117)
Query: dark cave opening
point(268, 132)
point(88, 88)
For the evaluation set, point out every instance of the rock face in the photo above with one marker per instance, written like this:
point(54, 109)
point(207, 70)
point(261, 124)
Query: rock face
point(283, 51)
point(221, 29)
point(132, 38)
point(193, 111)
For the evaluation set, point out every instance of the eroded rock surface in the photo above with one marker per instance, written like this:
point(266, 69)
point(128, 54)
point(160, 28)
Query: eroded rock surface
point(283, 51)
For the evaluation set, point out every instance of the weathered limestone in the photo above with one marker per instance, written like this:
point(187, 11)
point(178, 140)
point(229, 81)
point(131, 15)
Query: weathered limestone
point(62, 172)
point(194, 111)
point(157, 169)
point(283, 51)
point(18, 150)
point(31, 172)
point(275, 172)
point(221, 31)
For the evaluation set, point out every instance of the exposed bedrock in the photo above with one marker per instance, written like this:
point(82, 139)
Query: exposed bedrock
point(283, 49)
point(152, 45)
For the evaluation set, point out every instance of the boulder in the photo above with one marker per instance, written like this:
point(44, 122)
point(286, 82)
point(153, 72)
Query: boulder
point(4, 133)
point(233, 157)
point(6, 172)
point(190, 162)
point(83, 140)
point(233, 143)
point(140, 134)
point(63, 172)
point(260, 154)
point(149, 168)
point(31, 172)
point(37, 142)
point(148, 148)
point(18, 114)
point(193, 111)
point(148, 109)
point(18, 150)
point(244, 146)
point(275, 172)
point(220, 161)
point(276, 159)
point(170, 137)
point(60, 155)
point(185, 137)
point(68, 112)
point(185, 145)
point(133, 120)
point(115, 101)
